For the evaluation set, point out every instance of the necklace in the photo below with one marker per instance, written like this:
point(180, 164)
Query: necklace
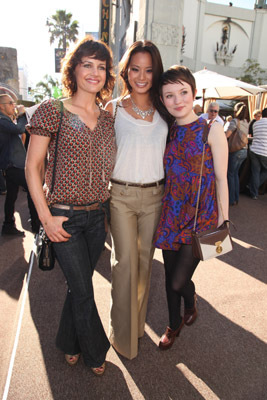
point(143, 114)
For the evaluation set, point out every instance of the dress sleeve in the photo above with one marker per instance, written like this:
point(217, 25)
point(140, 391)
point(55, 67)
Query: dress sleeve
point(45, 120)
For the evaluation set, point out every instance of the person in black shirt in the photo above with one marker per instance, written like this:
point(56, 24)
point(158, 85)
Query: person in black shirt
point(12, 161)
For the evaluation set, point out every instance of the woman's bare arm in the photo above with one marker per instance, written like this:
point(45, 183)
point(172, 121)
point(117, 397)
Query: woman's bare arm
point(219, 149)
point(34, 171)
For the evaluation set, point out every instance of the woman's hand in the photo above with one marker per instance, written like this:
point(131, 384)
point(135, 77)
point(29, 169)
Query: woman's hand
point(53, 227)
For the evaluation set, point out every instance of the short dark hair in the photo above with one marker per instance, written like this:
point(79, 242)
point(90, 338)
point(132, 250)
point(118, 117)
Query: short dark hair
point(175, 74)
point(142, 46)
point(264, 113)
point(87, 47)
point(178, 74)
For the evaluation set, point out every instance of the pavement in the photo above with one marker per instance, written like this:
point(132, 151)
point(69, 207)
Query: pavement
point(222, 356)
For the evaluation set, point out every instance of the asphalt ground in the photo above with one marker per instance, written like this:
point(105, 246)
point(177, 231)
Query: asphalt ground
point(222, 356)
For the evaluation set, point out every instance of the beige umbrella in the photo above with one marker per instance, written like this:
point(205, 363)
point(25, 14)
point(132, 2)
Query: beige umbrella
point(216, 86)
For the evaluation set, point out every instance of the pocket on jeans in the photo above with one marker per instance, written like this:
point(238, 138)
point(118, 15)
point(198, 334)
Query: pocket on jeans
point(158, 190)
point(58, 212)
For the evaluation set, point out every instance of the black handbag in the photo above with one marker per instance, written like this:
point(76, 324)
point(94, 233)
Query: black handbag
point(213, 242)
point(45, 254)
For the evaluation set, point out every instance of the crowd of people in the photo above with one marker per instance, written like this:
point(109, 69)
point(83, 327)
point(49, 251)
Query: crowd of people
point(132, 163)
point(252, 156)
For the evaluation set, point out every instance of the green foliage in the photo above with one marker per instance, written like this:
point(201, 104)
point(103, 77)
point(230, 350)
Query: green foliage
point(252, 73)
point(62, 29)
point(47, 88)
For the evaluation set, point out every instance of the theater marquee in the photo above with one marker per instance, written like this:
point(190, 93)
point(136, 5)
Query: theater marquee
point(104, 20)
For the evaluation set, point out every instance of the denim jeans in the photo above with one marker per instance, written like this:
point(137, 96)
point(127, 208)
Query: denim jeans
point(235, 160)
point(80, 327)
point(258, 172)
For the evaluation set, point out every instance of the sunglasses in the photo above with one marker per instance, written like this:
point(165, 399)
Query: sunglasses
point(10, 102)
point(213, 111)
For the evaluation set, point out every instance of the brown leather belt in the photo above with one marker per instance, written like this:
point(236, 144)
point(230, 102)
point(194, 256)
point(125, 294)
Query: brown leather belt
point(141, 185)
point(91, 207)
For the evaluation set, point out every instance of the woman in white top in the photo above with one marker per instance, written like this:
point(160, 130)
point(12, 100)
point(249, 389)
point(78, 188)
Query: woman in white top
point(136, 192)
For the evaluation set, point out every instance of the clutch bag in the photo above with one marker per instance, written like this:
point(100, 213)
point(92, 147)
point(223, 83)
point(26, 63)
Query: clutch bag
point(212, 243)
point(45, 253)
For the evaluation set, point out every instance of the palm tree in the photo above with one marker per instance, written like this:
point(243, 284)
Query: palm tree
point(47, 88)
point(62, 29)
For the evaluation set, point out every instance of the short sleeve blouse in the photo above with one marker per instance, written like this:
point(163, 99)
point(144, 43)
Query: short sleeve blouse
point(85, 157)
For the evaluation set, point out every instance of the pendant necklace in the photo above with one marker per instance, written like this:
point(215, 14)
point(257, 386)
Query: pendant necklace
point(143, 114)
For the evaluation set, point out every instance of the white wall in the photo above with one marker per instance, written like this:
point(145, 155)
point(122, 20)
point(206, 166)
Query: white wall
point(239, 35)
point(190, 18)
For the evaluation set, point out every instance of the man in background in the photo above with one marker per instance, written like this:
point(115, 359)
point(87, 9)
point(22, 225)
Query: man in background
point(258, 155)
point(12, 161)
point(256, 117)
point(213, 114)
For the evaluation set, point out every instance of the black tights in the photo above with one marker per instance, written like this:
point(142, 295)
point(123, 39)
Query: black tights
point(179, 268)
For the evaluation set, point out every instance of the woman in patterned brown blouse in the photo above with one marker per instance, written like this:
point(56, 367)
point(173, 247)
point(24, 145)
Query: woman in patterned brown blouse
point(75, 213)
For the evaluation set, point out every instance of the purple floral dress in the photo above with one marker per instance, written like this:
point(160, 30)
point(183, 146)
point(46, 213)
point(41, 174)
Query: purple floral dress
point(182, 162)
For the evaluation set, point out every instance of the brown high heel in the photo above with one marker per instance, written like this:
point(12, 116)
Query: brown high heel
point(170, 335)
point(190, 314)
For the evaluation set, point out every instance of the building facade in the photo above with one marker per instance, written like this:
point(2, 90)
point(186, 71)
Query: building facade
point(195, 33)
point(222, 38)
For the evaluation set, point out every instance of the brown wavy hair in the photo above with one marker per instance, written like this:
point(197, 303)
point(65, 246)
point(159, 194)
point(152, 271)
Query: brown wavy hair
point(142, 46)
point(87, 47)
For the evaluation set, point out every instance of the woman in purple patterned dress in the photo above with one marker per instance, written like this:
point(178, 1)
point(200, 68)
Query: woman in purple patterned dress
point(182, 161)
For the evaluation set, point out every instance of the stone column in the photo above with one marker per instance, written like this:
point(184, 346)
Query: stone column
point(161, 22)
point(9, 67)
point(256, 40)
point(199, 34)
point(156, 20)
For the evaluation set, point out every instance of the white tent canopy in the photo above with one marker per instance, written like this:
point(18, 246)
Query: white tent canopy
point(212, 85)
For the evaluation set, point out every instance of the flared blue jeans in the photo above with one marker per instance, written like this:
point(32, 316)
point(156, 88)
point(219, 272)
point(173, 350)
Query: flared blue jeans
point(80, 328)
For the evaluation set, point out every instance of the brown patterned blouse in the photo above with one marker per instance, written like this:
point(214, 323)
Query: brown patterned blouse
point(85, 158)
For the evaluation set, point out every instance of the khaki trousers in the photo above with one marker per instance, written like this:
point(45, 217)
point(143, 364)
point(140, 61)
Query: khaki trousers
point(135, 215)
